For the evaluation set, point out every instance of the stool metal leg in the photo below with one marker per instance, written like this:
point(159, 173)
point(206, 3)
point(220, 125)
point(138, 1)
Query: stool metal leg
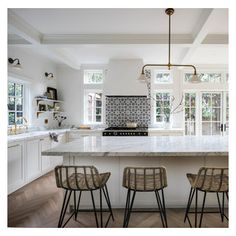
point(100, 193)
point(223, 205)
point(126, 207)
point(190, 198)
point(94, 209)
point(203, 204)
point(220, 209)
point(63, 210)
point(164, 206)
point(160, 207)
point(196, 201)
point(129, 210)
point(77, 209)
point(106, 194)
point(75, 216)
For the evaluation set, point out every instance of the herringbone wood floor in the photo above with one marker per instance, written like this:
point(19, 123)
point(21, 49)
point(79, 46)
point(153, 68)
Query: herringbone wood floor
point(38, 205)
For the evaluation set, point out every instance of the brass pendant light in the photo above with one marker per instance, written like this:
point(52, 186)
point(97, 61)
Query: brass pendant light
point(195, 79)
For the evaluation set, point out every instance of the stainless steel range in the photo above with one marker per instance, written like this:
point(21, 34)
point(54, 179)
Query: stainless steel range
point(124, 131)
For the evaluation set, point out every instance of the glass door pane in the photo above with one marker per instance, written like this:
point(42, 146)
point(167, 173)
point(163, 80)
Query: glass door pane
point(226, 113)
point(211, 113)
point(190, 113)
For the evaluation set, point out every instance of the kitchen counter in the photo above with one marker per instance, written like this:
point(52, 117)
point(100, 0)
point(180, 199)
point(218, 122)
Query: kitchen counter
point(33, 135)
point(144, 146)
point(179, 154)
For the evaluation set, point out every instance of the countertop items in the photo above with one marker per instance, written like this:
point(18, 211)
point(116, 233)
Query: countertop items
point(144, 146)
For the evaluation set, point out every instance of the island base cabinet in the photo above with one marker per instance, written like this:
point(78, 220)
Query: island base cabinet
point(15, 166)
point(57, 160)
point(177, 191)
point(33, 159)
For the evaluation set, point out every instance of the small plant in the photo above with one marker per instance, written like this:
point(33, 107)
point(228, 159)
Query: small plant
point(59, 119)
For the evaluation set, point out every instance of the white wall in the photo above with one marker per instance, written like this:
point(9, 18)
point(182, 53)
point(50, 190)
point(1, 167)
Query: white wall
point(69, 83)
point(70, 89)
point(33, 68)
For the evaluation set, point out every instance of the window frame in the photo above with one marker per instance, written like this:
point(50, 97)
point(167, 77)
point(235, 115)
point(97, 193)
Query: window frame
point(94, 88)
point(196, 112)
point(85, 81)
point(161, 123)
point(162, 72)
point(23, 97)
point(86, 93)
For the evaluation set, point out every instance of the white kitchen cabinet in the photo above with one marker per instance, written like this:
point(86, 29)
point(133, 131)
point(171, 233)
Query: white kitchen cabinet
point(25, 162)
point(33, 159)
point(15, 166)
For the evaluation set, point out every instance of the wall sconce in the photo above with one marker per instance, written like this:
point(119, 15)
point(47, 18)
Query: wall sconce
point(49, 75)
point(16, 65)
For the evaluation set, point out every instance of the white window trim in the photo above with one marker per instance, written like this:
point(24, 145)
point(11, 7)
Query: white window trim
point(17, 81)
point(86, 92)
point(162, 71)
point(93, 70)
point(153, 105)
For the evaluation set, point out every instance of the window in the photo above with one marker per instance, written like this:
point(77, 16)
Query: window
point(15, 103)
point(162, 77)
point(190, 113)
point(93, 76)
point(93, 106)
point(93, 96)
point(205, 77)
point(211, 113)
point(163, 105)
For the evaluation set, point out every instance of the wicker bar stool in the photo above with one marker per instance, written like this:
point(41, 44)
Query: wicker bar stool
point(208, 180)
point(82, 178)
point(144, 179)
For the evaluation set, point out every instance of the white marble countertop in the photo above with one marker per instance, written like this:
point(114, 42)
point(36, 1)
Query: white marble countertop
point(33, 135)
point(143, 146)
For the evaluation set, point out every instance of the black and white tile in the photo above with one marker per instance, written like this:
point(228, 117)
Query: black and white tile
point(121, 109)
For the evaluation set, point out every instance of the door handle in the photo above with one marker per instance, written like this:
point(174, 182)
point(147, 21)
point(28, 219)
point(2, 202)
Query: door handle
point(221, 127)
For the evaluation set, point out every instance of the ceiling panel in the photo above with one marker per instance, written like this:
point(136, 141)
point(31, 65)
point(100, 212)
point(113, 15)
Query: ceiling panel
point(101, 21)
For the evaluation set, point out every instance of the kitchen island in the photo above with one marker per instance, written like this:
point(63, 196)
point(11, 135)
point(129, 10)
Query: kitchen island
point(179, 154)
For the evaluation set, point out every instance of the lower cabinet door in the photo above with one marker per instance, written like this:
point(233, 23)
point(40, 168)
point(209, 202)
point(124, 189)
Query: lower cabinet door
point(33, 159)
point(15, 166)
point(46, 160)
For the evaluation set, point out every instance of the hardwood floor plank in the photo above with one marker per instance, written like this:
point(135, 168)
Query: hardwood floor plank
point(38, 204)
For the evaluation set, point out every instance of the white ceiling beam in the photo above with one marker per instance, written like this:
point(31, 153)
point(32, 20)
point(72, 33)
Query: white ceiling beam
point(115, 39)
point(65, 57)
point(216, 39)
point(23, 29)
point(199, 33)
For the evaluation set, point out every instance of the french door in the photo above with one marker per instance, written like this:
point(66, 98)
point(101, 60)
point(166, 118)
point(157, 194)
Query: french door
point(214, 110)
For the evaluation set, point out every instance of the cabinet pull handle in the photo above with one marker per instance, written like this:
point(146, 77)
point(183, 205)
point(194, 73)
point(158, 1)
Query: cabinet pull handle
point(14, 146)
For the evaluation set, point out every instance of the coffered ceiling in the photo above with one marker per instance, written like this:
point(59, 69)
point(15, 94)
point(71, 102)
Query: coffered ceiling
point(83, 36)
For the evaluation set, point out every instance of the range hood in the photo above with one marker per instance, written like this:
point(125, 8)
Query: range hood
point(122, 78)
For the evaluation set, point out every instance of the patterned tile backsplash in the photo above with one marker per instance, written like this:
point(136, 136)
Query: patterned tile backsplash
point(120, 109)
